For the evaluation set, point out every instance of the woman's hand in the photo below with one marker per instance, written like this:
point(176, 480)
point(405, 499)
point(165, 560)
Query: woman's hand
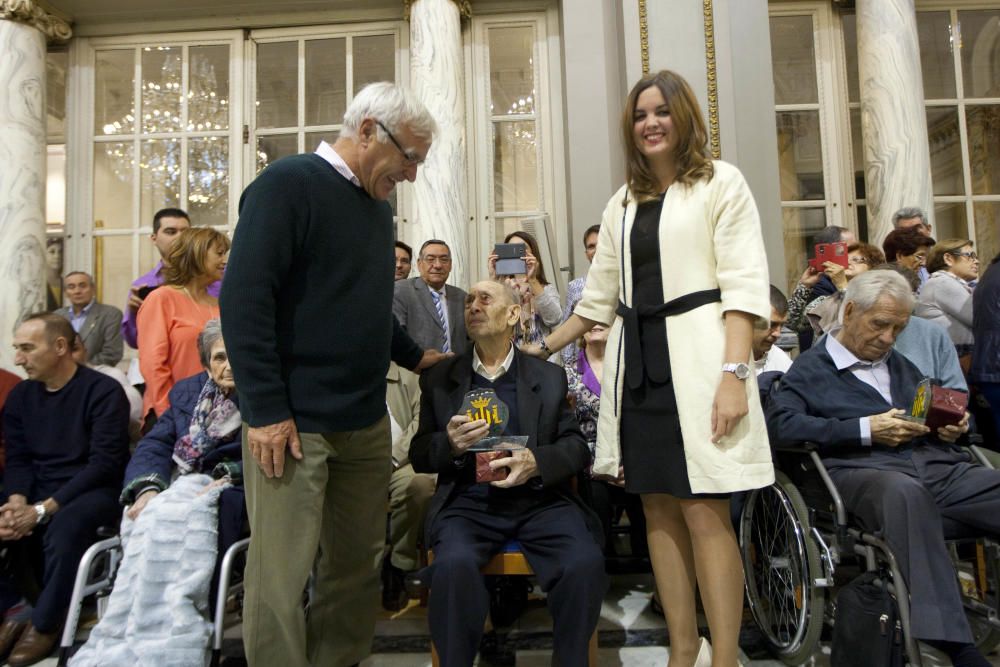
point(810, 277)
point(491, 262)
point(836, 274)
point(140, 503)
point(532, 266)
point(729, 406)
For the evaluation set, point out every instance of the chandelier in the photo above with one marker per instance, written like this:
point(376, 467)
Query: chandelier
point(160, 159)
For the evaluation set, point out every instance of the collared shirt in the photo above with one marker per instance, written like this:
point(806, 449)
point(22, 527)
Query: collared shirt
point(326, 152)
point(875, 374)
point(78, 320)
point(774, 359)
point(479, 368)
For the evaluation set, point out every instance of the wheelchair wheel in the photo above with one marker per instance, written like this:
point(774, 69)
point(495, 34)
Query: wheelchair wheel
point(984, 635)
point(781, 562)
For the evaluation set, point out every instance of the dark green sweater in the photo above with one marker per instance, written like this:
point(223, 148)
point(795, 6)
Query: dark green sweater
point(307, 300)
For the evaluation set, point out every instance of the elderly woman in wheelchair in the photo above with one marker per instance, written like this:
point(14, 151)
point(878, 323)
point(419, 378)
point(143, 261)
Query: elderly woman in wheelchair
point(903, 484)
point(185, 506)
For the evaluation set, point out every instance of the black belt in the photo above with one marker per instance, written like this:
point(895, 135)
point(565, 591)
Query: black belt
point(630, 325)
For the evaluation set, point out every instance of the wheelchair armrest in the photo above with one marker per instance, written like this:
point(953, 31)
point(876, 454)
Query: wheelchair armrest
point(810, 450)
point(977, 454)
point(104, 532)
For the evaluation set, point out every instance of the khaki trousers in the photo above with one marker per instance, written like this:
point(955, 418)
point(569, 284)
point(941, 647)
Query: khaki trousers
point(410, 495)
point(331, 502)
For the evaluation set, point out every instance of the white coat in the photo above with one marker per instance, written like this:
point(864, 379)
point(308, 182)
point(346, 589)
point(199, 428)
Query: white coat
point(709, 238)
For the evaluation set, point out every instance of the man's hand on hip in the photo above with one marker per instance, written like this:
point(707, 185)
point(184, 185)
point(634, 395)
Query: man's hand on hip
point(267, 446)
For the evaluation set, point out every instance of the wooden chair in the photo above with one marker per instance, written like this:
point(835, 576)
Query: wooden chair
point(511, 562)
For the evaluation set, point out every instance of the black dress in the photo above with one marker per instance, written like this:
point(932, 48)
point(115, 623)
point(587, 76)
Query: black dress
point(651, 442)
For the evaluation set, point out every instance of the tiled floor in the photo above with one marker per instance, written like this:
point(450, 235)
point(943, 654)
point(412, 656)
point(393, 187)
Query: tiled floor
point(631, 635)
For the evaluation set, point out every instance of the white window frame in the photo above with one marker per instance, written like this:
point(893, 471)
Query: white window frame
point(550, 150)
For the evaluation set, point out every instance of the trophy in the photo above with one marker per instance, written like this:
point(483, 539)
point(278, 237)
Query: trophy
point(486, 405)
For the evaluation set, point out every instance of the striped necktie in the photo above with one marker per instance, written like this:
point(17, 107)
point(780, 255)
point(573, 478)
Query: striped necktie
point(439, 307)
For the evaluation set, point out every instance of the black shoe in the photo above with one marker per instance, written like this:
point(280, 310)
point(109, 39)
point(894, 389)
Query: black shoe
point(394, 595)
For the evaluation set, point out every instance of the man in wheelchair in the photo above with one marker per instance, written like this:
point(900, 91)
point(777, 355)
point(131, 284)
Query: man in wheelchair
point(849, 394)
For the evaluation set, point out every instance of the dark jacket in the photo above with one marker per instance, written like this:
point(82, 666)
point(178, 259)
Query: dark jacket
point(152, 464)
point(543, 413)
point(986, 327)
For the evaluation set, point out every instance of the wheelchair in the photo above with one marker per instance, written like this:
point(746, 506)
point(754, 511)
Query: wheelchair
point(96, 576)
point(797, 541)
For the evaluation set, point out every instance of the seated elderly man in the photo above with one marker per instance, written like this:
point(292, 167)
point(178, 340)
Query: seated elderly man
point(183, 485)
point(468, 523)
point(66, 429)
point(848, 394)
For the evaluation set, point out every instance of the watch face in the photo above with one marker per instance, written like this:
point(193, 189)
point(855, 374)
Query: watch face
point(742, 371)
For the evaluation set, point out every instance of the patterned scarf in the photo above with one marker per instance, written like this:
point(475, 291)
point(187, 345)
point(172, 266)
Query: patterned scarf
point(216, 421)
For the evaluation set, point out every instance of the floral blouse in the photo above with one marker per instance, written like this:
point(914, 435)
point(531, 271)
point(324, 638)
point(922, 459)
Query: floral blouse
point(586, 387)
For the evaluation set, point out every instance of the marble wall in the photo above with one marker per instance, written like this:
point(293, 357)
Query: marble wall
point(436, 76)
point(22, 178)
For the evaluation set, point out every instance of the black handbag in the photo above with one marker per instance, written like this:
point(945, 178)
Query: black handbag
point(866, 627)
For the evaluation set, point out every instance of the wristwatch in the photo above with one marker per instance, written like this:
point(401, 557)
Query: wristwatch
point(41, 513)
point(740, 370)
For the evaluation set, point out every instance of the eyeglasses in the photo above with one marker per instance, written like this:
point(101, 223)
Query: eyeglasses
point(410, 158)
point(857, 260)
point(971, 255)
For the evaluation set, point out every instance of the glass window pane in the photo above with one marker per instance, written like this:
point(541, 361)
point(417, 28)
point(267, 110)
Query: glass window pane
point(936, 63)
point(946, 151)
point(512, 70)
point(148, 254)
point(858, 153)
point(515, 166)
point(114, 92)
point(981, 52)
point(505, 225)
point(850, 29)
point(326, 81)
point(161, 89)
point(56, 68)
point(374, 60)
point(950, 221)
point(160, 173)
point(983, 127)
point(208, 83)
point(113, 261)
point(113, 185)
point(793, 60)
point(313, 139)
point(987, 219)
point(800, 226)
point(277, 84)
point(276, 146)
point(208, 181)
point(800, 155)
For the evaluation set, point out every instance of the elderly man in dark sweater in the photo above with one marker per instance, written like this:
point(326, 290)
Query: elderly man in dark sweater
point(66, 429)
point(847, 394)
point(469, 522)
point(307, 313)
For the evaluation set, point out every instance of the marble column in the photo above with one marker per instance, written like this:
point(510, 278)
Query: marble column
point(893, 121)
point(24, 28)
point(436, 76)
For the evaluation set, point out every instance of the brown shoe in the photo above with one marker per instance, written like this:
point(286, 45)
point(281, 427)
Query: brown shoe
point(10, 632)
point(32, 647)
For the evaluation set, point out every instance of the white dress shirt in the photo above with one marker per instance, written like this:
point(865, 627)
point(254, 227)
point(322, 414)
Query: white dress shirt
point(326, 152)
point(479, 368)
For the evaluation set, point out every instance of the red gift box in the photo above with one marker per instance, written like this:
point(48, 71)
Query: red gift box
point(939, 406)
point(483, 471)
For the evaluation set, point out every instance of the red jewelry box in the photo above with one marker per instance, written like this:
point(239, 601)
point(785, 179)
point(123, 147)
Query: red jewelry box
point(483, 471)
point(938, 406)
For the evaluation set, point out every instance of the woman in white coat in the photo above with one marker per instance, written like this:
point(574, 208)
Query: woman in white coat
point(680, 258)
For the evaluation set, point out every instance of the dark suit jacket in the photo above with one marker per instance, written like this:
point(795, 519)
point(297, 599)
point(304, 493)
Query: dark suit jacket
point(817, 403)
point(413, 306)
point(542, 411)
point(101, 333)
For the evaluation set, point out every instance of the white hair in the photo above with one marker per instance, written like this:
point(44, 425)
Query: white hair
point(393, 106)
point(907, 213)
point(865, 290)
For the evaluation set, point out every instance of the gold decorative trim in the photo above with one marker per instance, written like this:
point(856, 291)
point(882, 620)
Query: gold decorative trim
point(713, 83)
point(464, 8)
point(643, 38)
point(27, 11)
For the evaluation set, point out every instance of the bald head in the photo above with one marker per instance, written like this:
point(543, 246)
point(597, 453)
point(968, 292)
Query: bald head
point(492, 310)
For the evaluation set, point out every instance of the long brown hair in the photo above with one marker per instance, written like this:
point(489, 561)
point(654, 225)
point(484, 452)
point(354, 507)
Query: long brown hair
point(186, 259)
point(692, 157)
point(533, 244)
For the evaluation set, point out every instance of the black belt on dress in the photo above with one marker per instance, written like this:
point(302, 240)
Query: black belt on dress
point(630, 325)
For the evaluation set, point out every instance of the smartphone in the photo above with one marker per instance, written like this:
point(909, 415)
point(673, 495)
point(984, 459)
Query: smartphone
point(510, 259)
point(144, 291)
point(829, 252)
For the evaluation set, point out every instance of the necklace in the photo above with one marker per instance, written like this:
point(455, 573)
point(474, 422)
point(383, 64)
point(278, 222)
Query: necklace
point(201, 306)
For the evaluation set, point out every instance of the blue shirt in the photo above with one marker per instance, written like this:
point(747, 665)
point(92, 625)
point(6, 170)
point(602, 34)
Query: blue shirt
point(77, 320)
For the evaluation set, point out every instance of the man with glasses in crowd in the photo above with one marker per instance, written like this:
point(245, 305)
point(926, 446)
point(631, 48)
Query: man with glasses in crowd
point(430, 310)
point(307, 310)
